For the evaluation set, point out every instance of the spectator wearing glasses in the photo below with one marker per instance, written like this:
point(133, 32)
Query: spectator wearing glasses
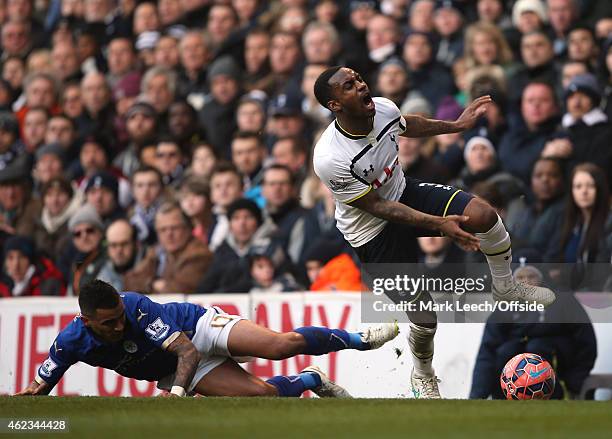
point(124, 252)
point(177, 263)
point(84, 260)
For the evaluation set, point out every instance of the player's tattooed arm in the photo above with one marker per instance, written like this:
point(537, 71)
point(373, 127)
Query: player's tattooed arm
point(397, 212)
point(419, 126)
point(36, 388)
point(188, 359)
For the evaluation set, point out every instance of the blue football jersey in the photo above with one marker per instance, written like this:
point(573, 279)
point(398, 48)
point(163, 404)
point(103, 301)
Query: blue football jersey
point(150, 328)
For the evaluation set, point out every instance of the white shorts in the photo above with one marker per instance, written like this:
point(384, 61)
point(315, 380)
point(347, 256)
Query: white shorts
point(210, 339)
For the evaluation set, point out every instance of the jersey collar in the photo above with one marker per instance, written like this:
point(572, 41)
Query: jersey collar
point(346, 133)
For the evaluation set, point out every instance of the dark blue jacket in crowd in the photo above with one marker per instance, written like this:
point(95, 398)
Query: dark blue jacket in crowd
point(562, 334)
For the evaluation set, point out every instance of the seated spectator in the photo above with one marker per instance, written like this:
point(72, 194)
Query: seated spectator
point(538, 64)
point(293, 153)
point(330, 268)
point(102, 192)
point(170, 162)
point(562, 334)
point(18, 209)
point(217, 116)
point(141, 126)
point(98, 111)
point(481, 165)
point(319, 115)
point(10, 144)
point(581, 235)
point(51, 233)
point(27, 274)
point(248, 155)
point(287, 119)
point(265, 276)
point(296, 228)
point(147, 189)
point(428, 77)
point(183, 125)
point(525, 138)
point(486, 45)
point(448, 21)
point(251, 114)
point(544, 204)
point(124, 253)
point(84, 259)
point(194, 197)
point(416, 164)
point(225, 188)
point(34, 128)
point(48, 164)
point(316, 197)
point(562, 14)
point(158, 88)
point(436, 251)
point(581, 45)
point(588, 126)
point(176, 264)
point(392, 81)
point(195, 52)
point(203, 161)
point(246, 230)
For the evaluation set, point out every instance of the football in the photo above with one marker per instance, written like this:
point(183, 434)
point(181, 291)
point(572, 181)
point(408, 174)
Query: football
point(527, 376)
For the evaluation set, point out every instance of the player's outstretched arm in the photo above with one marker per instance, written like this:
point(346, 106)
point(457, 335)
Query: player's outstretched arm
point(396, 212)
point(35, 389)
point(188, 359)
point(419, 126)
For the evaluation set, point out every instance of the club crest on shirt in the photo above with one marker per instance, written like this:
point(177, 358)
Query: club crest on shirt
point(129, 346)
point(47, 367)
point(157, 330)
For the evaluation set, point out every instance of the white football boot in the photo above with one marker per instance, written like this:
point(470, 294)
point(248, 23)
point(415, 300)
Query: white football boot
point(519, 291)
point(378, 335)
point(425, 387)
point(328, 388)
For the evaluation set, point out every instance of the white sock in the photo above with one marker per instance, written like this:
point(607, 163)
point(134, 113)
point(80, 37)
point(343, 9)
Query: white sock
point(421, 342)
point(496, 246)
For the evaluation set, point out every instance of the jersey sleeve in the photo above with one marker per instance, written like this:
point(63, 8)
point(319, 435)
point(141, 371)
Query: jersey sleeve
point(57, 363)
point(394, 113)
point(337, 176)
point(156, 322)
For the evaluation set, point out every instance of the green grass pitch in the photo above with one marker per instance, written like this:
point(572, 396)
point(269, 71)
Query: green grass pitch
point(229, 418)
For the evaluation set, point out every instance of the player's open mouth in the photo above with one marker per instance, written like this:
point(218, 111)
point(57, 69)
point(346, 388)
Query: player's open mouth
point(367, 101)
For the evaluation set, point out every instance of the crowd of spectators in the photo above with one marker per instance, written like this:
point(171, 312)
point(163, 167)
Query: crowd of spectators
point(165, 146)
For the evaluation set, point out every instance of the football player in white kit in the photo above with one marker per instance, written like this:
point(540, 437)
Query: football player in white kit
point(381, 212)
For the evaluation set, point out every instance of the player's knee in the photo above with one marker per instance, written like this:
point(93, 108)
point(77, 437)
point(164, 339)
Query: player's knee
point(482, 216)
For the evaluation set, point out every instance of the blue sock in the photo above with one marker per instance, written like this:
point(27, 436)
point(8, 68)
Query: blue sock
point(321, 341)
point(295, 385)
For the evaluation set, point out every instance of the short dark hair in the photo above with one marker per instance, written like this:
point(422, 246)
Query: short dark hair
point(249, 135)
point(245, 204)
point(322, 88)
point(224, 167)
point(298, 145)
point(96, 295)
point(279, 167)
point(145, 169)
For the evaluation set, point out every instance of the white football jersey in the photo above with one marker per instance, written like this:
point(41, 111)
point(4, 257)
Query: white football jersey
point(351, 166)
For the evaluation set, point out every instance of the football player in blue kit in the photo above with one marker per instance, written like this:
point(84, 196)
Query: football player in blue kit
point(189, 349)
